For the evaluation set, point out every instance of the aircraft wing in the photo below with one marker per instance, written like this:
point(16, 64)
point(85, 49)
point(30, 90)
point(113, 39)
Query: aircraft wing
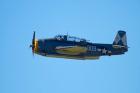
point(71, 50)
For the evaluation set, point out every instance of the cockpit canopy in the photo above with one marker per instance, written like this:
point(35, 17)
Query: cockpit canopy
point(69, 38)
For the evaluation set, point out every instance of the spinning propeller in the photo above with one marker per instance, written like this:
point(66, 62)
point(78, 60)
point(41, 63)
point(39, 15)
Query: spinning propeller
point(33, 43)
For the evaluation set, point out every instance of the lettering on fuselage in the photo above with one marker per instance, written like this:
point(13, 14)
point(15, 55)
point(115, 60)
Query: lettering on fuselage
point(91, 48)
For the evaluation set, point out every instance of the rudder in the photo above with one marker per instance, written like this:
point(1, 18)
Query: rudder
point(120, 38)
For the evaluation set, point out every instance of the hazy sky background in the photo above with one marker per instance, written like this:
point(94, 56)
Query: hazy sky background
point(95, 20)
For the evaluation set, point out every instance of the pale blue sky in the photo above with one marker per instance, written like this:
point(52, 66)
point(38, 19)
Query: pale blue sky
point(95, 20)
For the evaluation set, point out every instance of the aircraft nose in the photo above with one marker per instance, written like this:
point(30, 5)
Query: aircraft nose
point(36, 46)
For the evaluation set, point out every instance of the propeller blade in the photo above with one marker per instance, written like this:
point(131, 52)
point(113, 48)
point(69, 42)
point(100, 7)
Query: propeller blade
point(33, 43)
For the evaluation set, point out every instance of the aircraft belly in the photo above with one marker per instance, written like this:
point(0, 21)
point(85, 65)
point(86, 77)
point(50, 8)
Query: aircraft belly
point(73, 57)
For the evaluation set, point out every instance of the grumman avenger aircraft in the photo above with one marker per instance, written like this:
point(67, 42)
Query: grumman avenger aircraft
point(65, 46)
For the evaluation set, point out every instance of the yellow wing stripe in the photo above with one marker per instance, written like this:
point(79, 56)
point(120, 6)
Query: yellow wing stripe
point(72, 50)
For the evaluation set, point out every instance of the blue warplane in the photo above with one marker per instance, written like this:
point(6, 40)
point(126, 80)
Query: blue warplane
point(65, 46)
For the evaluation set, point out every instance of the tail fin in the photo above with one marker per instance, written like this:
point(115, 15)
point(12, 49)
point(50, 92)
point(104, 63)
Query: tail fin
point(120, 39)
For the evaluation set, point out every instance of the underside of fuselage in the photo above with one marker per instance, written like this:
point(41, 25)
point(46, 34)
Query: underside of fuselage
point(74, 57)
point(78, 57)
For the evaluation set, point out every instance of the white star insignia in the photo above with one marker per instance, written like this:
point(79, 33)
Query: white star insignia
point(104, 51)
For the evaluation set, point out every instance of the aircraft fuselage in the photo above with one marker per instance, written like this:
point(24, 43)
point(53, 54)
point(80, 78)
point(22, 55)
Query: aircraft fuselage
point(64, 46)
